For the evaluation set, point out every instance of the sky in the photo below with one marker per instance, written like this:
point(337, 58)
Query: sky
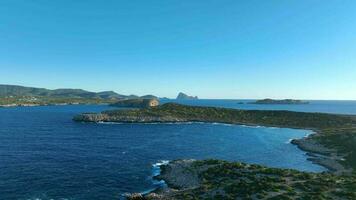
point(226, 49)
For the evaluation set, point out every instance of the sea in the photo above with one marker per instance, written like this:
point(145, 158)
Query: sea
point(45, 155)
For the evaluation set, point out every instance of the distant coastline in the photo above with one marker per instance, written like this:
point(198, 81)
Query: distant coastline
point(14, 96)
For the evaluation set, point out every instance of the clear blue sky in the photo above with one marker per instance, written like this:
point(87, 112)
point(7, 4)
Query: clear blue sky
point(303, 49)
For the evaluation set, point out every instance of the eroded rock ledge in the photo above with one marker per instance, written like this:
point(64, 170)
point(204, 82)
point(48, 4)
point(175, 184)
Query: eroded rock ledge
point(216, 179)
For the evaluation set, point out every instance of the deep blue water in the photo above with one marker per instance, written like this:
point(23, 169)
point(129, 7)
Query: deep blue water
point(45, 155)
point(323, 106)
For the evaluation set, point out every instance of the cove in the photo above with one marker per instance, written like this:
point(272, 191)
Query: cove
point(45, 155)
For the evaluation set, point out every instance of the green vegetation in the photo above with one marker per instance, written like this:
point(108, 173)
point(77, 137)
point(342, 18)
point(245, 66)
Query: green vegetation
point(233, 180)
point(13, 95)
point(136, 103)
point(36, 101)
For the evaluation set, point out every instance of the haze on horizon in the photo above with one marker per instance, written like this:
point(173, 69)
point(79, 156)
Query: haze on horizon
point(213, 49)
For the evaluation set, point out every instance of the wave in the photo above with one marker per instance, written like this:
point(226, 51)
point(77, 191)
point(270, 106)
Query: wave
point(156, 167)
point(289, 141)
point(156, 170)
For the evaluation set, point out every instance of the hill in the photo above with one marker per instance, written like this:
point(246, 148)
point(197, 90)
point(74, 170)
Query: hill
point(14, 95)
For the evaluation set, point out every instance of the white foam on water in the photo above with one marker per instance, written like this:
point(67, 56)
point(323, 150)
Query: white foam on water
point(289, 141)
point(156, 170)
point(163, 162)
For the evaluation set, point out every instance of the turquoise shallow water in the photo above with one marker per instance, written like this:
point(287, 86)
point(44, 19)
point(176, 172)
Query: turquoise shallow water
point(45, 155)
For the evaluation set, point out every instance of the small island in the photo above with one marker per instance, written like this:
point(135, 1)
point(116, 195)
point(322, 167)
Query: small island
point(182, 96)
point(283, 101)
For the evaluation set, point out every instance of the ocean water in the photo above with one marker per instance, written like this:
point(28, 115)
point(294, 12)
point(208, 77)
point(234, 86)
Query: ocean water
point(323, 106)
point(45, 155)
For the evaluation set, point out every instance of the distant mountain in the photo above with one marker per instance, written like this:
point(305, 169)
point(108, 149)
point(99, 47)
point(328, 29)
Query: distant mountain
point(149, 97)
point(182, 96)
point(16, 91)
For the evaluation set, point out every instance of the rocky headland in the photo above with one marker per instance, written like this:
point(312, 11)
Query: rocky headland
point(216, 179)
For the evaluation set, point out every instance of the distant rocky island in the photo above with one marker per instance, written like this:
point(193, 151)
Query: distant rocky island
point(283, 101)
point(136, 103)
point(14, 95)
point(182, 96)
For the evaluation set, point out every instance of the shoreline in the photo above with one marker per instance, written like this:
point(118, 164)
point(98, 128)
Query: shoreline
point(317, 156)
point(316, 152)
point(204, 178)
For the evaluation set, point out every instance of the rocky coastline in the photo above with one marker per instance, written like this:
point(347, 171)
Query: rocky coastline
point(216, 179)
point(321, 155)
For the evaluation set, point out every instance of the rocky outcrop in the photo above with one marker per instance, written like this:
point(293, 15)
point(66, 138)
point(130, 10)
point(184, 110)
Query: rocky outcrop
point(176, 176)
point(91, 117)
point(182, 96)
point(321, 155)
